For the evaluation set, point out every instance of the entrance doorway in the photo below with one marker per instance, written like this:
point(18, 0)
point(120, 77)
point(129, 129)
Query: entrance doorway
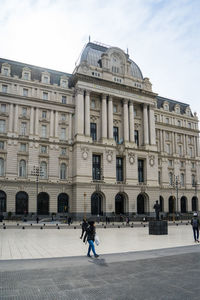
point(43, 204)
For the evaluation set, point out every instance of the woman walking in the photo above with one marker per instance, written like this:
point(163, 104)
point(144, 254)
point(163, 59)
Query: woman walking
point(90, 235)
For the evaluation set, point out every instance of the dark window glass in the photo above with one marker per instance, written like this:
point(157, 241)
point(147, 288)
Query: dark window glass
point(21, 203)
point(96, 167)
point(140, 170)
point(63, 206)
point(136, 137)
point(116, 134)
point(119, 169)
point(93, 131)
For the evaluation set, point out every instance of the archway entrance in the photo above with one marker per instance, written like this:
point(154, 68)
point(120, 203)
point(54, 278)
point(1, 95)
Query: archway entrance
point(142, 204)
point(172, 204)
point(96, 204)
point(183, 204)
point(63, 205)
point(194, 203)
point(161, 204)
point(43, 204)
point(2, 201)
point(119, 204)
point(21, 205)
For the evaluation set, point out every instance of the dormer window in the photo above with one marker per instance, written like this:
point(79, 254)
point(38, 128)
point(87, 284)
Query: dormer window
point(5, 70)
point(26, 74)
point(64, 81)
point(45, 78)
point(177, 109)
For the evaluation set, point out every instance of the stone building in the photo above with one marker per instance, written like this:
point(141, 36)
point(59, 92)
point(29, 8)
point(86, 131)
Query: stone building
point(98, 141)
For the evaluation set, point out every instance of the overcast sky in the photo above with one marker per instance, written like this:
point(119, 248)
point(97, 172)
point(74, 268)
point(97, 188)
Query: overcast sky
point(162, 37)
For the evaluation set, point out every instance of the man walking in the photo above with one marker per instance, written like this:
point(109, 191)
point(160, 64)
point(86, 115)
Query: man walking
point(195, 227)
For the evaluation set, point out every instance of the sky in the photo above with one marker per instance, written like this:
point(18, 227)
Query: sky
point(162, 37)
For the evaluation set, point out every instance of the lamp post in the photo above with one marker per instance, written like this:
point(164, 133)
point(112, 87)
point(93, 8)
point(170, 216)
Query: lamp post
point(98, 187)
point(176, 184)
point(37, 172)
point(85, 205)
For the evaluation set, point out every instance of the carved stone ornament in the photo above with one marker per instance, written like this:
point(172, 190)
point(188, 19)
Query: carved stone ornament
point(131, 156)
point(85, 151)
point(151, 160)
point(121, 148)
point(109, 155)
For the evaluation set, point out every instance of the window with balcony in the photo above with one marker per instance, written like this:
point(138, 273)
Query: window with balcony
point(140, 170)
point(4, 88)
point(170, 163)
point(43, 149)
point(3, 108)
point(64, 99)
point(22, 147)
point(136, 133)
point(22, 168)
point(63, 170)
point(24, 111)
point(45, 96)
point(2, 145)
point(2, 126)
point(93, 131)
point(2, 167)
point(43, 168)
point(44, 114)
point(119, 169)
point(116, 134)
point(23, 130)
point(96, 167)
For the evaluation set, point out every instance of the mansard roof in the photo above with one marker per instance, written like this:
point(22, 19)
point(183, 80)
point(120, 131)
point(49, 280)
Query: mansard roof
point(36, 72)
point(172, 104)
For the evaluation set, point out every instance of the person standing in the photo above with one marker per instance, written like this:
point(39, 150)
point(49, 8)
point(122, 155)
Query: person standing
point(90, 235)
point(84, 227)
point(195, 226)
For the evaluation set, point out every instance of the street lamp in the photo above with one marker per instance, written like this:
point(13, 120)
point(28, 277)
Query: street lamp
point(98, 186)
point(37, 172)
point(84, 205)
point(176, 184)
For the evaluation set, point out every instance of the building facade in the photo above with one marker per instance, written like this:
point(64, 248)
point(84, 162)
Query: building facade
point(98, 141)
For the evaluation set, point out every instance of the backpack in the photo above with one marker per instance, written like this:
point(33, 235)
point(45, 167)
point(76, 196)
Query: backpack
point(195, 223)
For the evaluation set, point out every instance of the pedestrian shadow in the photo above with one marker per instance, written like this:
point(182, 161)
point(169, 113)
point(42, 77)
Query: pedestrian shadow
point(99, 262)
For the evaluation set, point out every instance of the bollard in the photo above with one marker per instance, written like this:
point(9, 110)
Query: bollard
point(118, 226)
point(105, 227)
point(41, 227)
point(23, 227)
point(31, 224)
point(177, 224)
point(4, 227)
point(17, 224)
point(58, 227)
point(74, 227)
point(44, 224)
point(144, 226)
point(131, 226)
point(56, 224)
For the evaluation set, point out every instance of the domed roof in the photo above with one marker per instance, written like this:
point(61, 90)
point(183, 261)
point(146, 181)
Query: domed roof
point(92, 54)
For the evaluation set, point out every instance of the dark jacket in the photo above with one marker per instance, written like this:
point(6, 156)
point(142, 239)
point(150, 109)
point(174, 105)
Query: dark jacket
point(84, 225)
point(90, 233)
point(192, 222)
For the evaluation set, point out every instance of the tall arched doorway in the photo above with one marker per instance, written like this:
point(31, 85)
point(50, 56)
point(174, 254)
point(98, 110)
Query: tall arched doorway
point(119, 204)
point(172, 204)
point(142, 204)
point(161, 204)
point(43, 204)
point(194, 203)
point(63, 205)
point(21, 204)
point(96, 204)
point(2, 201)
point(183, 204)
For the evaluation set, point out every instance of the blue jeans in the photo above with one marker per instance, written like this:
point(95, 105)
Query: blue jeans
point(91, 246)
point(196, 233)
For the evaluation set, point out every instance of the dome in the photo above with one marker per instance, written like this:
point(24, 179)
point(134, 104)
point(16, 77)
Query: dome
point(92, 55)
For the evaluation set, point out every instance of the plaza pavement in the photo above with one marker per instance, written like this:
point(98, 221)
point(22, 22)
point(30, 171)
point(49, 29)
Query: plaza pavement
point(51, 264)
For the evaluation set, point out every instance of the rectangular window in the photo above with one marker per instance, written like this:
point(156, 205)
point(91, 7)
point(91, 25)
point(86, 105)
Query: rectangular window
point(168, 148)
point(140, 170)
point(180, 150)
point(24, 111)
point(159, 177)
point(182, 179)
point(93, 104)
point(182, 164)
point(44, 131)
point(45, 96)
point(2, 126)
point(23, 147)
point(136, 133)
point(93, 131)
point(44, 114)
point(3, 108)
point(96, 167)
point(45, 79)
point(119, 169)
point(26, 76)
point(116, 134)
point(170, 163)
point(5, 71)
point(25, 92)
point(63, 134)
point(23, 128)
point(43, 149)
point(63, 151)
point(63, 117)
point(64, 83)
point(4, 88)
point(64, 99)
point(114, 109)
point(1, 145)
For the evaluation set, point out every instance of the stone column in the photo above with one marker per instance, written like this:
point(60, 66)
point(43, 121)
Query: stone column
point(131, 122)
point(175, 139)
point(70, 126)
point(79, 112)
point(16, 118)
point(87, 113)
point(56, 124)
point(125, 115)
point(161, 141)
point(51, 123)
point(146, 129)
point(197, 146)
point(184, 145)
point(11, 118)
point(104, 117)
point(31, 120)
point(36, 121)
point(110, 118)
point(152, 126)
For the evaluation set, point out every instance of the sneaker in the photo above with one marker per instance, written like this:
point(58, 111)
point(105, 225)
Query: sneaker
point(88, 255)
point(96, 255)
point(197, 241)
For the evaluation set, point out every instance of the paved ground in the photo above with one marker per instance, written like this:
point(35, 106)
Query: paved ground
point(51, 264)
point(171, 273)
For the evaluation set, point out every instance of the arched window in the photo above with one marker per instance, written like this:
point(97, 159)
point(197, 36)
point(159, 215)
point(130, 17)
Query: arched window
point(2, 202)
point(21, 203)
point(43, 167)
point(43, 204)
point(1, 167)
point(63, 169)
point(22, 168)
point(63, 205)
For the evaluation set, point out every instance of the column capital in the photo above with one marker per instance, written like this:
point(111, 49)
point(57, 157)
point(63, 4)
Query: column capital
point(104, 96)
point(110, 98)
point(131, 102)
point(79, 91)
point(125, 101)
point(87, 92)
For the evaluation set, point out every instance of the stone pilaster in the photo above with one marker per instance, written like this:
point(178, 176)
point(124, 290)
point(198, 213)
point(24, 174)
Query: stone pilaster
point(51, 123)
point(87, 113)
point(146, 129)
point(125, 115)
point(31, 120)
point(70, 127)
point(110, 118)
point(16, 118)
point(56, 124)
point(10, 129)
point(131, 121)
point(152, 126)
point(104, 117)
point(79, 111)
point(36, 121)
